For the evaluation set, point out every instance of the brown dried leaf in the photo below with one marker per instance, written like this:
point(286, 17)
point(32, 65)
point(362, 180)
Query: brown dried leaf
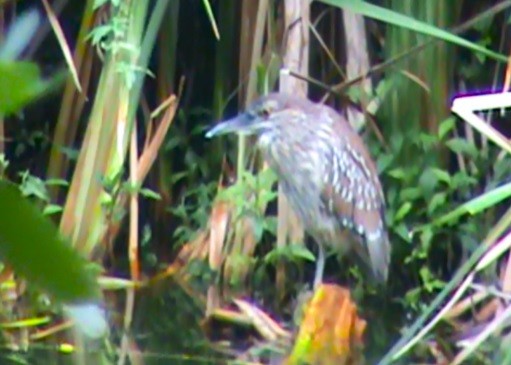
point(196, 249)
point(242, 330)
point(264, 324)
point(219, 222)
point(507, 78)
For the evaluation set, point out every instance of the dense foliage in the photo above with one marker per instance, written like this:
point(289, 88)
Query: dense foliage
point(104, 106)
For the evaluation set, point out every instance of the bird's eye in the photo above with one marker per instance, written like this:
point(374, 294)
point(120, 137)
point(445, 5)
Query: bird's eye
point(265, 113)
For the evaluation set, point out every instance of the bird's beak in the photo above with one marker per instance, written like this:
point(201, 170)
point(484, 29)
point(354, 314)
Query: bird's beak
point(243, 124)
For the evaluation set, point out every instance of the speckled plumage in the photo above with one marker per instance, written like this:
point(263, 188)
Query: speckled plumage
point(326, 172)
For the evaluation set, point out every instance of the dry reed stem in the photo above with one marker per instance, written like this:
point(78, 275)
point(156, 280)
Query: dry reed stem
point(296, 59)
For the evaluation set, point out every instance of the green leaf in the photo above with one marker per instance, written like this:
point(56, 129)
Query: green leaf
point(113, 283)
point(52, 209)
point(412, 193)
point(462, 180)
point(446, 126)
point(30, 243)
point(412, 297)
point(19, 85)
point(391, 17)
point(477, 205)
point(460, 145)
point(71, 153)
point(257, 228)
point(291, 252)
point(426, 238)
point(211, 17)
point(397, 173)
point(396, 141)
point(29, 322)
point(442, 175)
point(428, 141)
point(430, 283)
point(270, 224)
point(33, 186)
point(300, 251)
point(384, 161)
point(148, 193)
point(403, 211)
point(437, 201)
point(178, 176)
point(428, 182)
point(402, 231)
point(56, 182)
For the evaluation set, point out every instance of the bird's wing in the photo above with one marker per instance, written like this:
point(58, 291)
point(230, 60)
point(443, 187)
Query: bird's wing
point(352, 193)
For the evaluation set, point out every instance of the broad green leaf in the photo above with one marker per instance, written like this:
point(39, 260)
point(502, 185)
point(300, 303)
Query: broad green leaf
point(31, 244)
point(19, 84)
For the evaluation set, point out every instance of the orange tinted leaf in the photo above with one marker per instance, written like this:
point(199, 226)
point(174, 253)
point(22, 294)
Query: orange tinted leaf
point(331, 331)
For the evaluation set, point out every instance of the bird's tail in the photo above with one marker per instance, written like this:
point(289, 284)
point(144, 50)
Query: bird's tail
point(378, 247)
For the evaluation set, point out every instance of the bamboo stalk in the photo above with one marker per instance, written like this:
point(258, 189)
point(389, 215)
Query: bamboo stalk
point(296, 59)
point(104, 148)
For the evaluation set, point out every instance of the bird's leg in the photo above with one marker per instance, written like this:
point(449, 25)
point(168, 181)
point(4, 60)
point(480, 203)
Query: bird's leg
point(320, 266)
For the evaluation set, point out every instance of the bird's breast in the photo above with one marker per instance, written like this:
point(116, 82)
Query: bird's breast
point(300, 167)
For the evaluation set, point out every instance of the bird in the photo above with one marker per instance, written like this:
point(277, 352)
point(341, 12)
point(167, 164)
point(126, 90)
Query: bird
point(326, 174)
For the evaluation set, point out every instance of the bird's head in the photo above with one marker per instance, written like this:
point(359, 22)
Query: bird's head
point(263, 115)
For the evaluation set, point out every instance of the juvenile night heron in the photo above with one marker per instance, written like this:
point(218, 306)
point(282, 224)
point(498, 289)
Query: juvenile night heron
point(326, 173)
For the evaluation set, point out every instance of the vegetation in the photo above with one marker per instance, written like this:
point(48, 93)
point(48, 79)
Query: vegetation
point(112, 194)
